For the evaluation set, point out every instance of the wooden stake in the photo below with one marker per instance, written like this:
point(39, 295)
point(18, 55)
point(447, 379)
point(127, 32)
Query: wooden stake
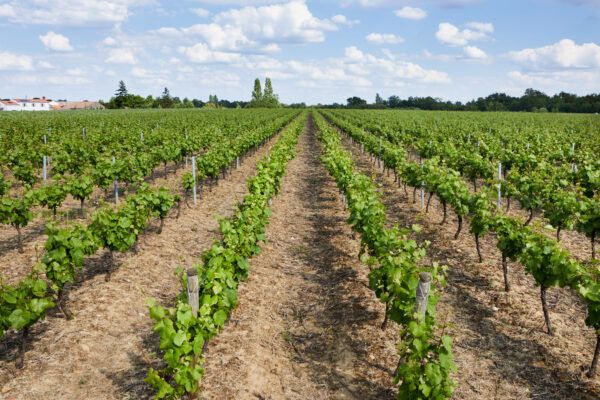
point(422, 295)
point(194, 176)
point(193, 288)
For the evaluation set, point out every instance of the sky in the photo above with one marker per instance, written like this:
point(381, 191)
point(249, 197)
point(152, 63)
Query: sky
point(314, 51)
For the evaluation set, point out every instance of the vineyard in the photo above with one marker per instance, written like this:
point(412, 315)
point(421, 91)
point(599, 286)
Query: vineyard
point(287, 254)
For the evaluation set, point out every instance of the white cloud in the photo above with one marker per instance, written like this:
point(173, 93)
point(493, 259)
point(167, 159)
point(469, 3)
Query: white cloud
point(581, 81)
point(413, 13)
point(485, 27)
point(451, 35)
point(109, 41)
point(384, 38)
point(56, 42)
point(138, 72)
point(220, 37)
point(15, 62)
point(390, 68)
point(201, 12)
point(291, 21)
point(121, 56)
point(69, 12)
point(6, 10)
point(441, 3)
point(45, 65)
point(565, 54)
point(343, 20)
point(530, 80)
point(474, 53)
point(202, 54)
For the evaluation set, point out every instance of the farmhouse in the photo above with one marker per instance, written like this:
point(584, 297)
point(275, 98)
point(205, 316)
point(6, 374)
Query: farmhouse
point(9, 105)
point(34, 104)
point(80, 105)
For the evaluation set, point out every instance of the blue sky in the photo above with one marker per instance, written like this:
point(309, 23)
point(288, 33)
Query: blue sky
point(314, 51)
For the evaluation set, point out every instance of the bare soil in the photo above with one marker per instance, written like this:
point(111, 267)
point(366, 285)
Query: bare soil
point(106, 350)
point(500, 345)
point(307, 326)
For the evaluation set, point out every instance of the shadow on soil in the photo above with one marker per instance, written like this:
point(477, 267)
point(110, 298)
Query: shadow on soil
point(513, 358)
point(331, 342)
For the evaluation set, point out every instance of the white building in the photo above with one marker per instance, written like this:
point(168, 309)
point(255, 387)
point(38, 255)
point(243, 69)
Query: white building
point(34, 104)
point(9, 105)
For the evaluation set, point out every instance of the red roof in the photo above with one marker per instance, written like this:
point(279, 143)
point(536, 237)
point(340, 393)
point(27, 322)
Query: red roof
point(9, 102)
point(34, 100)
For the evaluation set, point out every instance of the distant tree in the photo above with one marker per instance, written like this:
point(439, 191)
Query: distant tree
point(378, 99)
point(257, 94)
point(187, 103)
point(198, 103)
point(268, 99)
point(121, 95)
point(268, 94)
point(356, 102)
point(166, 101)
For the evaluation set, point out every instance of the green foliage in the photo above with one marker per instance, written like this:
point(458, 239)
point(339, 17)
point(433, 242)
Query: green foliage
point(22, 305)
point(81, 187)
point(266, 99)
point(223, 265)
point(16, 212)
point(52, 195)
point(426, 362)
point(66, 249)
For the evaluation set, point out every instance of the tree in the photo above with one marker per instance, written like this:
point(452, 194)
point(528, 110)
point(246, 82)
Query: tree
point(268, 99)
point(257, 95)
point(166, 101)
point(356, 102)
point(268, 88)
point(121, 95)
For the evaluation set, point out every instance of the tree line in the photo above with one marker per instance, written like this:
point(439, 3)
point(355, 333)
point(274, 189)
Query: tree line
point(531, 101)
point(124, 99)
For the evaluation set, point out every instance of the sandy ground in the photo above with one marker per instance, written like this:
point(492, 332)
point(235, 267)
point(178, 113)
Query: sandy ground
point(307, 325)
point(501, 348)
point(106, 350)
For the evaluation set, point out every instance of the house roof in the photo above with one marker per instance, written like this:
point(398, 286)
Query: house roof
point(9, 102)
point(34, 100)
point(75, 105)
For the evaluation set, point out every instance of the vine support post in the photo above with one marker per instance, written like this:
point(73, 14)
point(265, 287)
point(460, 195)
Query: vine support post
point(505, 273)
point(116, 184)
point(422, 295)
point(422, 188)
point(195, 183)
point(379, 154)
point(237, 162)
point(593, 245)
point(499, 204)
point(83, 134)
point(45, 167)
point(193, 294)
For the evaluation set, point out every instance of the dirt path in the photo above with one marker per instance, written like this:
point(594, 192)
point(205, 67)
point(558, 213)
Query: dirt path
point(307, 326)
point(501, 349)
point(105, 351)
